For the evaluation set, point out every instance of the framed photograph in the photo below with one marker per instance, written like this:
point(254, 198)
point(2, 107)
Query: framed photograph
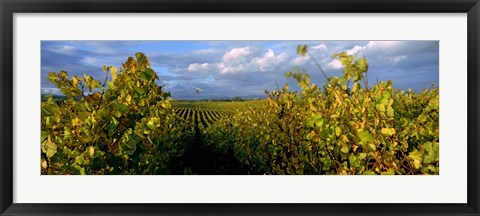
point(239, 108)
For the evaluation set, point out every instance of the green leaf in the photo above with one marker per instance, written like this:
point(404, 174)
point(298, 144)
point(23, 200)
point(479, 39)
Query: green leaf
point(67, 134)
point(390, 112)
point(151, 124)
point(132, 144)
point(338, 131)
point(391, 171)
point(43, 135)
point(147, 74)
point(431, 152)
point(385, 100)
point(112, 126)
point(113, 72)
point(140, 91)
point(324, 134)
point(142, 60)
point(317, 118)
point(52, 77)
point(364, 136)
point(433, 168)
point(344, 149)
point(417, 158)
point(309, 122)
point(352, 159)
point(302, 50)
point(122, 108)
point(51, 110)
point(388, 131)
point(369, 172)
point(91, 83)
point(50, 148)
point(342, 81)
point(345, 58)
point(80, 160)
point(314, 121)
point(415, 155)
point(380, 107)
point(385, 96)
point(63, 74)
point(91, 150)
point(362, 64)
point(129, 148)
point(78, 170)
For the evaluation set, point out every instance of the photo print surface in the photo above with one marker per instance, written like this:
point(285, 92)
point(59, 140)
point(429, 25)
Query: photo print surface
point(239, 108)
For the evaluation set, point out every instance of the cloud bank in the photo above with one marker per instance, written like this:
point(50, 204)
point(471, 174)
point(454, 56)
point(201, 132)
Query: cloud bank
point(226, 69)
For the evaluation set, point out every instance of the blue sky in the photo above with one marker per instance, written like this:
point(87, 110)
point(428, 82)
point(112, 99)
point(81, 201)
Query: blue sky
point(226, 69)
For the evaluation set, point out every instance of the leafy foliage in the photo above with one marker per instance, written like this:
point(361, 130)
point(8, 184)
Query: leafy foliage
point(335, 129)
point(123, 126)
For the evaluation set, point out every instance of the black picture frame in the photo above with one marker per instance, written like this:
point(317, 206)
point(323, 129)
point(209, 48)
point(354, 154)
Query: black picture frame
point(9, 7)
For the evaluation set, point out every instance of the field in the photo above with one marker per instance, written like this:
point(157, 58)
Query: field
point(205, 113)
point(200, 158)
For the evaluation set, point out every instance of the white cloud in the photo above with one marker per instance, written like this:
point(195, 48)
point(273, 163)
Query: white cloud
point(65, 49)
point(320, 47)
point(101, 48)
point(355, 50)
point(237, 53)
point(170, 83)
point(52, 91)
point(374, 47)
point(382, 44)
point(196, 67)
point(105, 51)
point(224, 68)
point(335, 64)
point(398, 59)
point(388, 51)
point(205, 51)
point(300, 60)
point(248, 59)
point(391, 52)
point(90, 61)
point(236, 60)
point(269, 60)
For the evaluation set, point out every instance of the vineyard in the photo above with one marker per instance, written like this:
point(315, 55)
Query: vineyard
point(204, 113)
point(199, 116)
point(201, 158)
point(127, 124)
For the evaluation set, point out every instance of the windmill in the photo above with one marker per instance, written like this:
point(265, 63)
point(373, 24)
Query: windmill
point(198, 91)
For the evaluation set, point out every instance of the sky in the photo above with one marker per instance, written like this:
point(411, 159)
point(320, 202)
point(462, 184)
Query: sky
point(227, 69)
